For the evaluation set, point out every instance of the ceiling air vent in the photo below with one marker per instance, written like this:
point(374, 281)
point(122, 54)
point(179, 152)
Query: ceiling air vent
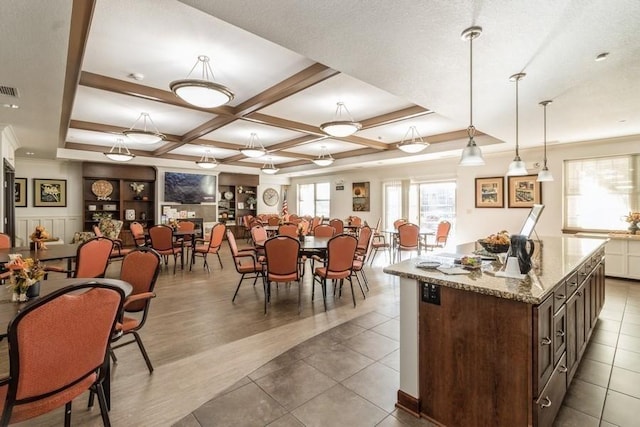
point(8, 91)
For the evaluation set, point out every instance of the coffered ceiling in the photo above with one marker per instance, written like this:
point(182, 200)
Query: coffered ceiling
point(84, 74)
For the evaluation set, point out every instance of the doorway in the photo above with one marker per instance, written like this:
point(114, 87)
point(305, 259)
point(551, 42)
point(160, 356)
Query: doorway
point(9, 201)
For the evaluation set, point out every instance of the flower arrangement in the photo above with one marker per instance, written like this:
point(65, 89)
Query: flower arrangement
point(173, 223)
point(251, 201)
point(633, 217)
point(24, 273)
point(303, 228)
point(137, 188)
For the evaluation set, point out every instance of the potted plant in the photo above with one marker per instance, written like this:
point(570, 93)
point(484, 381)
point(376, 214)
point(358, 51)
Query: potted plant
point(251, 201)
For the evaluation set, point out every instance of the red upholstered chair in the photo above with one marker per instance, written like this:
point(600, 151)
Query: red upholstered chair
point(338, 224)
point(5, 243)
point(273, 220)
point(315, 221)
point(408, 239)
point(212, 246)
point(52, 363)
point(363, 240)
point(137, 231)
point(324, 230)
point(442, 234)
point(187, 241)
point(362, 256)
point(281, 265)
point(140, 269)
point(341, 251)
point(162, 242)
point(379, 242)
point(246, 262)
point(118, 250)
point(290, 230)
point(92, 259)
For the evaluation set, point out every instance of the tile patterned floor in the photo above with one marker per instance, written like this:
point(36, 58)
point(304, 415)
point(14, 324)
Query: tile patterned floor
point(348, 376)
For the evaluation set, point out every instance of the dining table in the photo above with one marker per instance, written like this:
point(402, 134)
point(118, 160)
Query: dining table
point(51, 253)
point(423, 234)
point(9, 308)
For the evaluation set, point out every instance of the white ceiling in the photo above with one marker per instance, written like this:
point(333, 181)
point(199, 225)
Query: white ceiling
point(390, 55)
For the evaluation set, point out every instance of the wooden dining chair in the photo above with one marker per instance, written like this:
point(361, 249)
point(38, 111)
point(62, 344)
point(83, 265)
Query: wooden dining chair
point(211, 246)
point(341, 250)
point(338, 225)
point(161, 237)
point(281, 265)
point(140, 269)
point(51, 363)
point(246, 262)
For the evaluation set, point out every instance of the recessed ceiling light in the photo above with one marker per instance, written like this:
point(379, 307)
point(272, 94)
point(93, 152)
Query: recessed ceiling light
point(622, 121)
point(136, 76)
point(602, 56)
point(14, 106)
point(30, 153)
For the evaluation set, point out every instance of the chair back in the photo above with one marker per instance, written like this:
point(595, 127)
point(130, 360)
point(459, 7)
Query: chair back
point(161, 237)
point(5, 241)
point(258, 234)
point(290, 230)
point(140, 269)
point(324, 230)
point(341, 250)
point(442, 233)
point(246, 220)
point(273, 220)
point(398, 222)
point(137, 231)
point(408, 236)
point(315, 221)
point(377, 230)
point(49, 359)
point(187, 226)
point(233, 245)
point(304, 226)
point(92, 257)
point(356, 220)
point(281, 253)
point(363, 238)
point(217, 236)
point(338, 225)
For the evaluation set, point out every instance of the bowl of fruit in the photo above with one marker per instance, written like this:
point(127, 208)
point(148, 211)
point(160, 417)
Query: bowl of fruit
point(496, 243)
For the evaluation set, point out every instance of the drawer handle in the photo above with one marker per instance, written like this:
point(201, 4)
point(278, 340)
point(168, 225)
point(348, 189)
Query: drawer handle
point(561, 296)
point(546, 402)
point(562, 369)
point(559, 333)
point(545, 341)
point(579, 293)
point(573, 284)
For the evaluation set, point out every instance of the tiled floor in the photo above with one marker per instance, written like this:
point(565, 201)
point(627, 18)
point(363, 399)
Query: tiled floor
point(348, 376)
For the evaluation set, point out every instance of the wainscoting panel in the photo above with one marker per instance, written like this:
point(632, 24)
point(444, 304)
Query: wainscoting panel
point(61, 227)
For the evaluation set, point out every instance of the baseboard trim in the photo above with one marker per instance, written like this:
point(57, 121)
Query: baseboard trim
point(408, 403)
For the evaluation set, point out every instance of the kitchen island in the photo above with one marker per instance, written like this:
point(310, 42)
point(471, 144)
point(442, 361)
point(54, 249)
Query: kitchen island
point(476, 349)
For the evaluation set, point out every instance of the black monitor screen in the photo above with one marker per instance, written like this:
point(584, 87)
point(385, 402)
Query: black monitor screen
point(189, 188)
point(532, 219)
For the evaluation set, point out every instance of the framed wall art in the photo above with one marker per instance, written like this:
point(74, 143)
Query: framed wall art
point(49, 192)
point(490, 192)
point(524, 191)
point(361, 197)
point(20, 192)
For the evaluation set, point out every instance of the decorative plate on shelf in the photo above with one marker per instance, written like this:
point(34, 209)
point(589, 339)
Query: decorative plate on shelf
point(102, 188)
point(228, 195)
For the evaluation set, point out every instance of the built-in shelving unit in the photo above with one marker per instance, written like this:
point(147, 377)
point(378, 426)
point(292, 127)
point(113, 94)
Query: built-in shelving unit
point(238, 197)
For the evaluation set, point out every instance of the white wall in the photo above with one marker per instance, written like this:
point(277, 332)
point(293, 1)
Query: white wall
point(61, 222)
point(472, 223)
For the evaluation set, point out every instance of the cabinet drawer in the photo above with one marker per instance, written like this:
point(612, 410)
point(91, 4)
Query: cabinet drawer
point(543, 346)
point(560, 334)
point(548, 403)
point(572, 284)
point(559, 296)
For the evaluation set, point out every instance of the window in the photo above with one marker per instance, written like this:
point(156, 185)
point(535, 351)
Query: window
point(600, 192)
point(432, 202)
point(314, 199)
point(392, 203)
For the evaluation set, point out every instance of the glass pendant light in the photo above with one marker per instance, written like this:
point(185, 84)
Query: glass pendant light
point(517, 166)
point(254, 147)
point(144, 135)
point(545, 174)
point(204, 92)
point(269, 167)
point(119, 152)
point(412, 143)
point(339, 126)
point(324, 159)
point(471, 155)
point(207, 161)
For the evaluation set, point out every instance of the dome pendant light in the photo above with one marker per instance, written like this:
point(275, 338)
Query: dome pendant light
point(203, 93)
point(119, 152)
point(254, 147)
point(471, 155)
point(414, 143)
point(517, 166)
point(339, 126)
point(324, 159)
point(207, 161)
point(545, 174)
point(144, 135)
point(269, 167)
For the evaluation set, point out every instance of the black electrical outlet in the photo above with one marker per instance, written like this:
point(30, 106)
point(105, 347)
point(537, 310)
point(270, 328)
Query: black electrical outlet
point(431, 293)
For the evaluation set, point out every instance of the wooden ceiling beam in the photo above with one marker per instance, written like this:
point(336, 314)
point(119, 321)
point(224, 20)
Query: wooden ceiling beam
point(302, 80)
point(122, 87)
point(395, 116)
point(284, 124)
point(100, 127)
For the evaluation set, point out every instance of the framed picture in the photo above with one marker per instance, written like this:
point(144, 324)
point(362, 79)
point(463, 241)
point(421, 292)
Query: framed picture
point(20, 192)
point(490, 192)
point(361, 197)
point(49, 192)
point(524, 191)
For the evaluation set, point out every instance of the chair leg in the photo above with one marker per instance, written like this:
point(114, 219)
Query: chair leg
point(143, 351)
point(67, 414)
point(353, 295)
point(113, 355)
point(238, 287)
point(206, 264)
point(324, 293)
point(219, 260)
point(102, 400)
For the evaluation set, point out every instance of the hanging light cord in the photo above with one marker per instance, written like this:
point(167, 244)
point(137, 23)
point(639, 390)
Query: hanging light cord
point(471, 130)
point(517, 113)
point(545, 134)
point(206, 68)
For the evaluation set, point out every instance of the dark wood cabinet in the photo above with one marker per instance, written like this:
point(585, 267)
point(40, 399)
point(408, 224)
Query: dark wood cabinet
point(238, 197)
point(110, 191)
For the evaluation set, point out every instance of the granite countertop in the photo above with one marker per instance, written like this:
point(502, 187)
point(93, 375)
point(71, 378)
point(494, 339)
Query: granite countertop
point(555, 259)
point(624, 236)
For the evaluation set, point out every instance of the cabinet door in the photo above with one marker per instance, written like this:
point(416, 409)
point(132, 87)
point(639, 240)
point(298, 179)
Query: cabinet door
point(571, 335)
point(580, 321)
point(543, 317)
point(560, 334)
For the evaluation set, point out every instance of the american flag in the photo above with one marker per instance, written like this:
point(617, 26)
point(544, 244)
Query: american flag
point(285, 206)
